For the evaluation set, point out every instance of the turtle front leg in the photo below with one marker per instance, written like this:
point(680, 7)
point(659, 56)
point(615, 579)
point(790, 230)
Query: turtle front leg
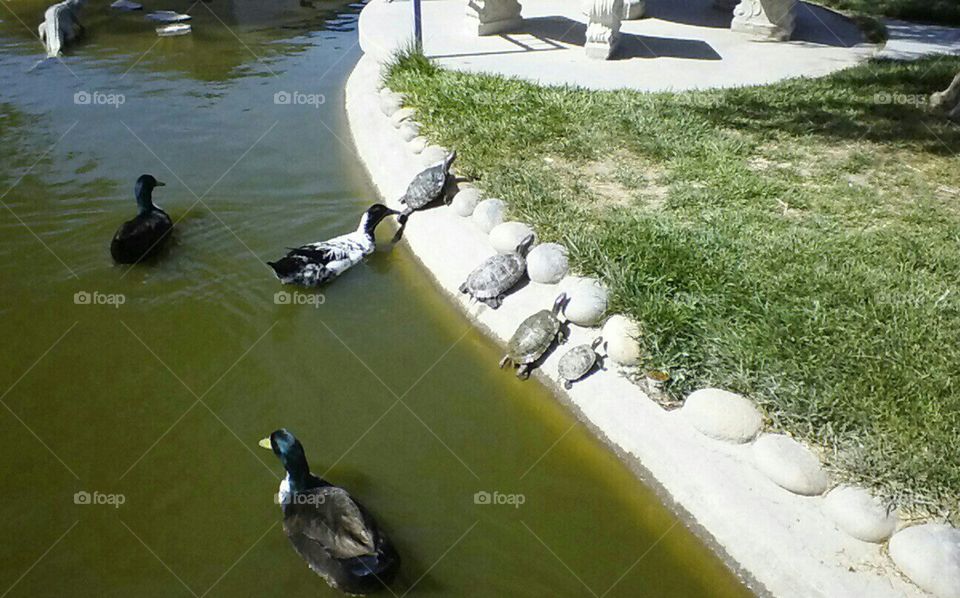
point(494, 302)
point(523, 372)
point(567, 384)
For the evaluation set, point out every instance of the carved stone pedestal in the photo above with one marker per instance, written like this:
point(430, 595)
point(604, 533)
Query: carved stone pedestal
point(948, 101)
point(488, 17)
point(766, 19)
point(603, 28)
point(633, 9)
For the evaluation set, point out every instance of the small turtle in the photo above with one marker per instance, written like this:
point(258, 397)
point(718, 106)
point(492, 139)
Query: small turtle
point(578, 361)
point(425, 188)
point(533, 337)
point(491, 280)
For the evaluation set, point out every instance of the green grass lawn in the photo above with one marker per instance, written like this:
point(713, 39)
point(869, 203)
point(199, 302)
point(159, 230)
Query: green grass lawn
point(799, 243)
point(946, 12)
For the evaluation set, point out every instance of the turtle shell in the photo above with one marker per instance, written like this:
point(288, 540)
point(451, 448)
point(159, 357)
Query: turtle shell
point(496, 275)
point(576, 362)
point(427, 186)
point(533, 337)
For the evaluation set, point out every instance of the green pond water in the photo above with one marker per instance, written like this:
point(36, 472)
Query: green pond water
point(159, 402)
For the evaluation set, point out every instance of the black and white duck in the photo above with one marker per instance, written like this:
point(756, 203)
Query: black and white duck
point(145, 235)
point(316, 263)
point(335, 534)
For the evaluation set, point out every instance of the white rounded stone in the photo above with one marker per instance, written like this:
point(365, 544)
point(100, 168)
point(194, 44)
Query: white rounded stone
point(409, 130)
point(433, 154)
point(587, 303)
point(505, 236)
point(860, 514)
point(722, 415)
point(620, 336)
point(929, 555)
point(547, 263)
point(390, 103)
point(401, 115)
point(465, 201)
point(418, 144)
point(790, 465)
point(488, 213)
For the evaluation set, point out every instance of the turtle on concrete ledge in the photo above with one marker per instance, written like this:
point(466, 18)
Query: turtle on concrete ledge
point(534, 337)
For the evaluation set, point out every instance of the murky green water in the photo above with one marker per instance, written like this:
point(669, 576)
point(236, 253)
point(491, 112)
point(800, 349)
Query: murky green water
point(161, 400)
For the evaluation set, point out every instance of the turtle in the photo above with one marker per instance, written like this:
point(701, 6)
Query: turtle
point(533, 337)
point(578, 361)
point(425, 188)
point(491, 280)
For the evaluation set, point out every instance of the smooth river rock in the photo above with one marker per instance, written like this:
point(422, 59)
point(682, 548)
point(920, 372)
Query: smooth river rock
point(390, 103)
point(505, 236)
point(409, 130)
point(488, 214)
point(723, 415)
point(860, 514)
point(790, 465)
point(587, 302)
point(402, 115)
point(418, 144)
point(547, 263)
point(929, 555)
point(465, 201)
point(620, 335)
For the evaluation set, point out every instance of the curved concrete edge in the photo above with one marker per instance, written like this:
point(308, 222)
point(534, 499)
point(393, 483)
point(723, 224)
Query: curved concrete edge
point(783, 541)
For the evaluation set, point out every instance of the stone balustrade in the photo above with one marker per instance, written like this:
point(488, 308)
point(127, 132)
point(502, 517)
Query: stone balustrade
point(765, 19)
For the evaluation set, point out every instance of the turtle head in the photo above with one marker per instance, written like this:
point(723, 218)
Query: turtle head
point(448, 161)
point(559, 303)
point(525, 245)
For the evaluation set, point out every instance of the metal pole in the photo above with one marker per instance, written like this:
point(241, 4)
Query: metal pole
point(417, 26)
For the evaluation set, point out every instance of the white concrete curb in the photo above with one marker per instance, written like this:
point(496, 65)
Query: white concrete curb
point(785, 541)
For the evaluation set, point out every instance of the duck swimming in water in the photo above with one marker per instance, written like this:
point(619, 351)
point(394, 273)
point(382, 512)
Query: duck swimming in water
point(145, 235)
point(316, 263)
point(335, 534)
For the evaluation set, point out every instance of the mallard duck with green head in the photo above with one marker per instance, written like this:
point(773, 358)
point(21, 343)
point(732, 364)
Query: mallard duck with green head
point(332, 531)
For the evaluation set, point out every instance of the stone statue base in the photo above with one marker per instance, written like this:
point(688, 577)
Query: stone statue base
point(633, 9)
point(603, 29)
point(766, 19)
point(948, 100)
point(489, 17)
